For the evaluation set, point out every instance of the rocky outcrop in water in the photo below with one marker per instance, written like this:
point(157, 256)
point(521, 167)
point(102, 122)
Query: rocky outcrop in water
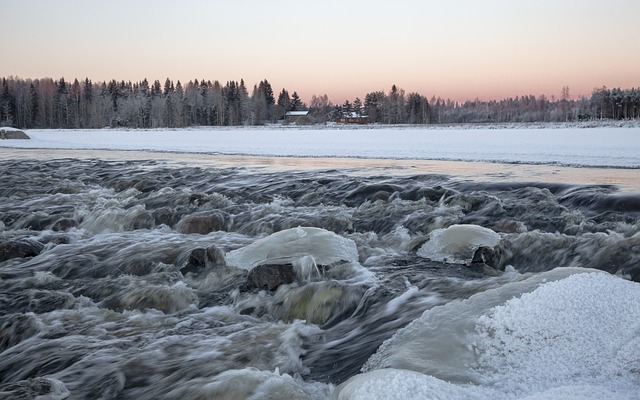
point(487, 255)
point(11, 133)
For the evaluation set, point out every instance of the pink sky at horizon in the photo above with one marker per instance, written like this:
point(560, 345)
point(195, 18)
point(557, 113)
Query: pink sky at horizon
point(461, 50)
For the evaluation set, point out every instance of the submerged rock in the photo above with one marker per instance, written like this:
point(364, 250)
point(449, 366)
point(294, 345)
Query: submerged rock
point(202, 223)
point(323, 303)
point(64, 224)
point(19, 249)
point(201, 257)
point(36, 388)
point(16, 327)
point(142, 220)
point(509, 226)
point(271, 276)
point(164, 215)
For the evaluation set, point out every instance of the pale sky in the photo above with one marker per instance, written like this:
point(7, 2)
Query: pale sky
point(459, 49)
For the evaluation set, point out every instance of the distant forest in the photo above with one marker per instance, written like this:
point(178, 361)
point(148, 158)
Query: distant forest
point(49, 103)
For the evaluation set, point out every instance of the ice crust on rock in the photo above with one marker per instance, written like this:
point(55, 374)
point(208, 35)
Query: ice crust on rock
point(457, 243)
point(298, 246)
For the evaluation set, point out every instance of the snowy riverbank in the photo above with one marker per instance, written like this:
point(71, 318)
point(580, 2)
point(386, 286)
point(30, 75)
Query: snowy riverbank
point(569, 146)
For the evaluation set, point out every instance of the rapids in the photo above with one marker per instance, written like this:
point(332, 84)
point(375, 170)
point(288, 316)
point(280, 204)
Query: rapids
point(136, 279)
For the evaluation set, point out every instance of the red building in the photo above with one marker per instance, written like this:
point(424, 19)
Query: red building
point(352, 118)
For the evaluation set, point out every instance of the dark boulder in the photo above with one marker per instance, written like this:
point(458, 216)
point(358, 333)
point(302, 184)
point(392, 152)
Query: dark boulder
point(57, 239)
point(142, 220)
point(270, 276)
point(16, 327)
point(634, 273)
point(19, 249)
point(215, 255)
point(198, 199)
point(380, 195)
point(143, 186)
point(64, 224)
point(35, 388)
point(202, 223)
point(489, 256)
point(196, 261)
point(164, 215)
point(509, 226)
point(124, 185)
point(200, 258)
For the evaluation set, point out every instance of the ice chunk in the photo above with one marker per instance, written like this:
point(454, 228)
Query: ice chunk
point(295, 246)
point(457, 243)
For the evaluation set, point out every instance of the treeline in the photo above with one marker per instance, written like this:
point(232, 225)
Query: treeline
point(603, 104)
point(49, 103)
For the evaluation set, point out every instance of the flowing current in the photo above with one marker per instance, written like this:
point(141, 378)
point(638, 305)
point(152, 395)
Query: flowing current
point(145, 279)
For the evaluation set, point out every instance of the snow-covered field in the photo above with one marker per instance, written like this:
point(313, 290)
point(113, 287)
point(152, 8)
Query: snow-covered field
point(596, 146)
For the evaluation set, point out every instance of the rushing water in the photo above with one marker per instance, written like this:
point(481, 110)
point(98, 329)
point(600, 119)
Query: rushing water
point(143, 279)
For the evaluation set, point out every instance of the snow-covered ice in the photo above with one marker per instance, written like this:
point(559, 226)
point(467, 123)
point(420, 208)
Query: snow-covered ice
point(599, 146)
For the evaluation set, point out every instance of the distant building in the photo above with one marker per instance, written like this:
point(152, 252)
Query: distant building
point(294, 115)
point(352, 118)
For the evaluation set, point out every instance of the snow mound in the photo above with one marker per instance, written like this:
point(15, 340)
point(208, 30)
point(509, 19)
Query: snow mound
point(392, 384)
point(457, 243)
point(566, 333)
point(295, 246)
point(12, 133)
point(584, 328)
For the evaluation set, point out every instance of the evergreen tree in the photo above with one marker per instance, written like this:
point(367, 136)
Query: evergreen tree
point(418, 110)
point(34, 106)
point(61, 106)
point(259, 106)
point(373, 105)
point(357, 106)
point(267, 93)
point(296, 103)
point(156, 89)
point(7, 105)
point(284, 100)
point(243, 96)
point(75, 97)
point(168, 87)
